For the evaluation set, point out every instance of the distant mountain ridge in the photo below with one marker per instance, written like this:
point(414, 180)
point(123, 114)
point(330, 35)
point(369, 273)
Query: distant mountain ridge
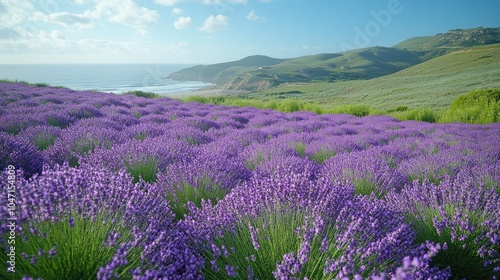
point(223, 72)
point(458, 38)
point(262, 72)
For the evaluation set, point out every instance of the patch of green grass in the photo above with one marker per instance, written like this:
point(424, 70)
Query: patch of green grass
point(137, 114)
point(8, 81)
point(185, 192)
point(141, 136)
point(84, 146)
point(398, 109)
point(145, 169)
point(321, 155)
point(60, 250)
point(356, 110)
point(44, 140)
point(299, 147)
point(253, 163)
point(478, 106)
point(15, 128)
point(421, 114)
point(364, 186)
point(57, 122)
point(289, 105)
point(259, 244)
point(40, 84)
point(144, 94)
point(461, 254)
point(217, 100)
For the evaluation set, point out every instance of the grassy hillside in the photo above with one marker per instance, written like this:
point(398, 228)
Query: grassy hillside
point(422, 92)
point(222, 72)
point(261, 72)
point(434, 84)
point(453, 39)
point(359, 64)
point(267, 72)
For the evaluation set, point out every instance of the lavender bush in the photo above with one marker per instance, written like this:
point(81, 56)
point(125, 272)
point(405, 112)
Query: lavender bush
point(461, 216)
point(160, 189)
point(87, 222)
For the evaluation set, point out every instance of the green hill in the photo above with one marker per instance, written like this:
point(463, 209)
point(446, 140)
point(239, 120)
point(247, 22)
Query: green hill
point(251, 73)
point(453, 39)
point(262, 72)
point(222, 72)
point(353, 65)
point(433, 84)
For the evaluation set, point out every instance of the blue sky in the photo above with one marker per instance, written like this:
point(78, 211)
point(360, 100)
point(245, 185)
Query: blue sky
point(211, 31)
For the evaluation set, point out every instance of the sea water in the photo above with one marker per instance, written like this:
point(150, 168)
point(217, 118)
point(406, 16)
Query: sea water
point(114, 78)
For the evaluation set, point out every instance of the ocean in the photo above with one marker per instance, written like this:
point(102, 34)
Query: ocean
point(114, 78)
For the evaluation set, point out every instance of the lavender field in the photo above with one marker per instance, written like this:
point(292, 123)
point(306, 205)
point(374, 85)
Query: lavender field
point(96, 185)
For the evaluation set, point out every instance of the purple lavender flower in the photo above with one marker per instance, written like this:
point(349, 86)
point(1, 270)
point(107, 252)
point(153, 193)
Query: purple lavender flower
point(52, 252)
point(41, 136)
point(88, 192)
point(72, 222)
point(369, 173)
point(288, 268)
point(265, 162)
point(80, 141)
point(19, 152)
point(459, 214)
point(253, 236)
point(231, 271)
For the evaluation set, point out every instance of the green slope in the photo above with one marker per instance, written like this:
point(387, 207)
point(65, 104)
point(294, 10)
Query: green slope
point(267, 72)
point(262, 72)
point(358, 64)
point(222, 72)
point(453, 39)
point(434, 84)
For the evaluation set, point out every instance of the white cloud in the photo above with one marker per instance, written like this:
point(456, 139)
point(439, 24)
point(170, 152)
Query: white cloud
point(167, 2)
point(125, 12)
point(24, 29)
point(137, 17)
point(55, 41)
point(64, 18)
point(182, 22)
point(55, 38)
point(177, 11)
point(38, 40)
point(14, 13)
point(252, 15)
point(213, 24)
